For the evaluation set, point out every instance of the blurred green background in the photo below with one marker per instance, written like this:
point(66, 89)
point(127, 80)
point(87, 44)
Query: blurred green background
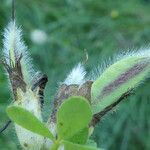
point(57, 32)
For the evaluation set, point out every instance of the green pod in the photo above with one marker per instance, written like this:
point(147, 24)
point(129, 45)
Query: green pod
point(118, 79)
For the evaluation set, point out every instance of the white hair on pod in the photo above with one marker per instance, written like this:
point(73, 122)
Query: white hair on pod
point(76, 76)
point(97, 71)
point(14, 48)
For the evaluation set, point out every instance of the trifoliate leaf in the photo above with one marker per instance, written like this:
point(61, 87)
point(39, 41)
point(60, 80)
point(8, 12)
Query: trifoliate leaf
point(73, 115)
point(28, 121)
point(80, 137)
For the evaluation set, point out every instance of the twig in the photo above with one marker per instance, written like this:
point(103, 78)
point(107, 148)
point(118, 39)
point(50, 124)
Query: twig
point(97, 117)
point(13, 10)
point(5, 126)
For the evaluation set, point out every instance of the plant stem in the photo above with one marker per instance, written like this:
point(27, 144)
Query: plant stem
point(55, 145)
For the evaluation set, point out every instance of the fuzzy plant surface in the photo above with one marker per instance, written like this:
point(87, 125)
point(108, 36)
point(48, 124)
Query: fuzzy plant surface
point(79, 103)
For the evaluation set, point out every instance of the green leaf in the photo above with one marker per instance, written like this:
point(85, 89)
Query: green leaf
point(73, 115)
point(118, 79)
point(80, 137)
point(91, 143)
point(28, 121)
point(71, 146)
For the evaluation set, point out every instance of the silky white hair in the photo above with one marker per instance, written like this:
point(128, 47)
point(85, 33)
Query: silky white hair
point(98, 70)
point(14, 48)
point(76, 76)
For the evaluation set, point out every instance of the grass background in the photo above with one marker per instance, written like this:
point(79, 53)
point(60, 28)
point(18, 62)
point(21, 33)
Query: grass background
point(103, 28)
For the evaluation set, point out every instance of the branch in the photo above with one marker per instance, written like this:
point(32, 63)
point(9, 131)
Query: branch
point(5, 126)
point(97, 117)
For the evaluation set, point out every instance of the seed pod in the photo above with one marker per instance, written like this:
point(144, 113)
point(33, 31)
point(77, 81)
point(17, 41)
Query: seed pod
point(118, 79)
